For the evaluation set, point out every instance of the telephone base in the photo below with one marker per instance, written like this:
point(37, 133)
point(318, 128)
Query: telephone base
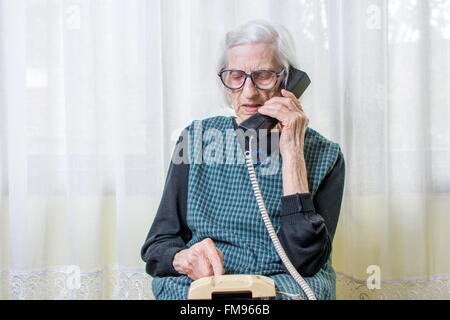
point(233, 286)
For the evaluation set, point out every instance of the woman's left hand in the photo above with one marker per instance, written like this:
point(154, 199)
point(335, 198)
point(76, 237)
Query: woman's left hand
point(293, 121)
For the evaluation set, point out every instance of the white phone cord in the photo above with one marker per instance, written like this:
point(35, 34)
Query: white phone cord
point(273, 236)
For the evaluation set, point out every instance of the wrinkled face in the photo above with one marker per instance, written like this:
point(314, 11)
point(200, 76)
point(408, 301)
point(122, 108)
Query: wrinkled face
point(252, 57)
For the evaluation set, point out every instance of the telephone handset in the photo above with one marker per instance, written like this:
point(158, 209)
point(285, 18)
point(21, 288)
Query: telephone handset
point(298, 81)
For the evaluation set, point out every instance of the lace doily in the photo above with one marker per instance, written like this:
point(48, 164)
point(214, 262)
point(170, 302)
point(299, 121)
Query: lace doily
point(435, 288)
point(55, 284)
point(136, 285)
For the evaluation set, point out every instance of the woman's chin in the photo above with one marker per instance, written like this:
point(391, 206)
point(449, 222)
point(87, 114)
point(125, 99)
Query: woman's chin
point(246, 115)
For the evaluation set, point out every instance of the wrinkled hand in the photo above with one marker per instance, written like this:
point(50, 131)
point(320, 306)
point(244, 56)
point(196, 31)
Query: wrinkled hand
point(203, 259)
point(293, 121)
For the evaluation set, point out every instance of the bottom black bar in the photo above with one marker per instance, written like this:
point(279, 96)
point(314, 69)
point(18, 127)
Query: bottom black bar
point(224, 309)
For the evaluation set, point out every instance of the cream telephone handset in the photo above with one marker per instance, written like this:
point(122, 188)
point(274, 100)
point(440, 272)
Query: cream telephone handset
point(256, 286)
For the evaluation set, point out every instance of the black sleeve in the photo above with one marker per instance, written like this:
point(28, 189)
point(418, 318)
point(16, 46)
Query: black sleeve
point(169, 232)
point(308, 225)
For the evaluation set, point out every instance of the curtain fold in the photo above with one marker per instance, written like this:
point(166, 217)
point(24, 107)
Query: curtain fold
point(93, 96)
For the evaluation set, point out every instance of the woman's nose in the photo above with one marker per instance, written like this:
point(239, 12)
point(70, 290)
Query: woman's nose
point(249, 90)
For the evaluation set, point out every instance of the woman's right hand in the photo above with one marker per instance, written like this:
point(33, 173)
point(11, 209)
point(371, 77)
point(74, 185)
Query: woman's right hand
point(203, 259)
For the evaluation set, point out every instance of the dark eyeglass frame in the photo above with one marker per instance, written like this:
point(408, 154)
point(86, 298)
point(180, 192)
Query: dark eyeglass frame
point(250, 75)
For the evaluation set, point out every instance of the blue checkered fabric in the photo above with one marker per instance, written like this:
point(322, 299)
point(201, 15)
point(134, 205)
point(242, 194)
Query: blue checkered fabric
point(222, 206)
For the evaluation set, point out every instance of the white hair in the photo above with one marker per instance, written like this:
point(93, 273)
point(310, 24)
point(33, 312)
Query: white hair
point(258, 31)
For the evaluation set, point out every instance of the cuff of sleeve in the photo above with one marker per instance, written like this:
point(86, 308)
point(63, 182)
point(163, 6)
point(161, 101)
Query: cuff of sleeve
point(299, 202)
point(168, 259)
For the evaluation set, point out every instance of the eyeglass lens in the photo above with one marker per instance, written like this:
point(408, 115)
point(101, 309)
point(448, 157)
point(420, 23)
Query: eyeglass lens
point(263, 79)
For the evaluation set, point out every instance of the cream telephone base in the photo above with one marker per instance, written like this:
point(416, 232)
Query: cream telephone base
point(233, 286)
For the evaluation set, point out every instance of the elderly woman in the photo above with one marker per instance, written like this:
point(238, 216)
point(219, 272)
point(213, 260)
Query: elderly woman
point(208, 222)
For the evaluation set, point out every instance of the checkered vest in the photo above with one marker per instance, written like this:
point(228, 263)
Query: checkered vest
point(222, 205)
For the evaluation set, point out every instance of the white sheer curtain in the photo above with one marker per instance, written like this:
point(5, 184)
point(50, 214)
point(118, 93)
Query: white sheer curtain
point(94, 93)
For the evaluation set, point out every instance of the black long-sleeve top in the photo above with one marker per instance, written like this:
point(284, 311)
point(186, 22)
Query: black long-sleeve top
point(306, 232)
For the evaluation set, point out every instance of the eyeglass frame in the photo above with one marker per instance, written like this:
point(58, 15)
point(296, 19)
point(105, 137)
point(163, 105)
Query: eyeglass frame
point(249, 75)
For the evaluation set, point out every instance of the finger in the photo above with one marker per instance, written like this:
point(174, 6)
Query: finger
point(289, 94)
point(221, 256)
point(294, 105)
point(275, 111)
point(207, 267)
point(214, 258)
point(287, 119)
point(283, 101)
point(289, 99)
point(202, 269)
point(220, 253)
point(275, 107)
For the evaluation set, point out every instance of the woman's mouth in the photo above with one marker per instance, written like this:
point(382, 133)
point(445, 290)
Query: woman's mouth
point(251, 108)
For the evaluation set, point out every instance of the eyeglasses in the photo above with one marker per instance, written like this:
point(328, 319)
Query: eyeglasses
point(262, 79)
